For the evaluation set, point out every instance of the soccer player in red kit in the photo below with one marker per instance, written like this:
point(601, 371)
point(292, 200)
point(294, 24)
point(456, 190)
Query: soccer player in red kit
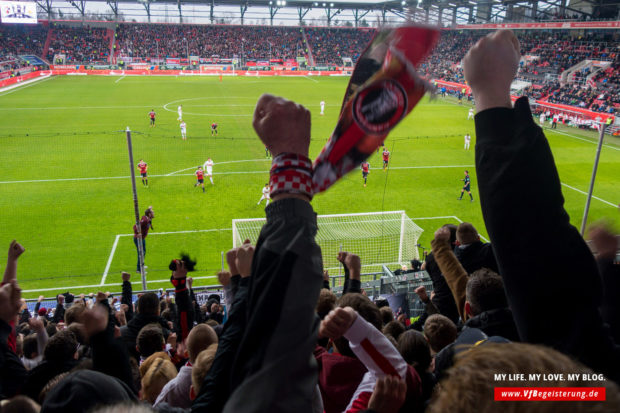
point(142, 166)
point(152, 116)
point(386, 158)
point(213, 129)
point(200, 176)
point(365, 171)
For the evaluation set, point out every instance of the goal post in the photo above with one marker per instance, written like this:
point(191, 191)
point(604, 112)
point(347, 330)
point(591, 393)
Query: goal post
point(379, 238)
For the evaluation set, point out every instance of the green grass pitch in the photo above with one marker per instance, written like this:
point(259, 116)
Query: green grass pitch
point(65, 195)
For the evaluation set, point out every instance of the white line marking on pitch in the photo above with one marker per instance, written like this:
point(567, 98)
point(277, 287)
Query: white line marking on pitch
point(585, 193)
point(107, 266)
point(111, 256)
point(309, 78)
point(119, 79)
point(206, 277)
point(24, 85)
point(581, 139)
point(221, 163)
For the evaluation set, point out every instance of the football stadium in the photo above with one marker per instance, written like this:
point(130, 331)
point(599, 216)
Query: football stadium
point(464, 188)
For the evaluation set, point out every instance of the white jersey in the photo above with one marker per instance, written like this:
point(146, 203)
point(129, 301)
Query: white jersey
point(471, 112)
point(265, 192)
point(183, 126)
point(542, 118)
point(208, 166)
point(322, 104)
point(180, 111)
point(467, 138)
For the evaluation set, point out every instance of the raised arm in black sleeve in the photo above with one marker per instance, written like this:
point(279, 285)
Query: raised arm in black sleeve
point(550, 276)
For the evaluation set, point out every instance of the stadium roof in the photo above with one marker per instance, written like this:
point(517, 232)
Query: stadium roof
point(446, 12)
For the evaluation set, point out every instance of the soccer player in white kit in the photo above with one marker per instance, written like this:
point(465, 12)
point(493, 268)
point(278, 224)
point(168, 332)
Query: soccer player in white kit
point(470, 115)
point(208, 166)
point(467, 140)
point(541, 119)
point(183, 130)
point(180, 112)
point(322, 107)
point(265, 195)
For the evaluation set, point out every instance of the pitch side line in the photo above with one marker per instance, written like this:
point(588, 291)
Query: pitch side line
point(23, 85)
point(309, 78)
point(585, 193)
point(119, 79)
point(111, 256)
point(581, 139)
point(206, 277)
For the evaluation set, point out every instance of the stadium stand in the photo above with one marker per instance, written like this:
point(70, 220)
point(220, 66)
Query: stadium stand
point(329, 46)
point(166, 40)
point(22, 39)
point(79, 44)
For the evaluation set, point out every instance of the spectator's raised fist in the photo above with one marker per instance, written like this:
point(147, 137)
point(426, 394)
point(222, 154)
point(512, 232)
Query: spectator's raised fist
point(490, 67)
point(342, 255)
point(421, 292)
point(245, 254)
point(231, 255)
point(41, 298)
point(605, 242)
point(389, 395)
point(15, 250)
point(282, 125)
point(10, 295)
point(354, 264)
point(337, 322)
point(95, 320)
point(224, 278)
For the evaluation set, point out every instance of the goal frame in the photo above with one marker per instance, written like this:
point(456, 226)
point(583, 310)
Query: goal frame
point(403, 221)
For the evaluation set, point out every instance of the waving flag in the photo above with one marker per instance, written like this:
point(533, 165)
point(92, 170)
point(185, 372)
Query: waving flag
point(383, 89)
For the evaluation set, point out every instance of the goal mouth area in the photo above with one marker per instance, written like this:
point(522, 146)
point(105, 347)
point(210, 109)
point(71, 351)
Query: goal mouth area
point(379, 238)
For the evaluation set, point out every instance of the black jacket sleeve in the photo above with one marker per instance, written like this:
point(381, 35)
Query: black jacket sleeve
point(550, 276)
point(127, 298)
point(13, 373)
point(274, 369)
point(184, 320)
point(59, 313)
point(110, 355)
point(215, 389)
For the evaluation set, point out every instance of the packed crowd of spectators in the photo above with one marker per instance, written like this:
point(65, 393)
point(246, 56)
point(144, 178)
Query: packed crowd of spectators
point(329, 46)
point(167, 40)
point(21, 39)
point(287, 343)
point(80, 44)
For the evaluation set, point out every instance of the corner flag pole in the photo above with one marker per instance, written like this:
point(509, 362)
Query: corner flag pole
point(594, 169)
point(135, 207)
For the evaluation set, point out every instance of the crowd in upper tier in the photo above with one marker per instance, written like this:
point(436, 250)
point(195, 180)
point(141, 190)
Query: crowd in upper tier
point(546, 54)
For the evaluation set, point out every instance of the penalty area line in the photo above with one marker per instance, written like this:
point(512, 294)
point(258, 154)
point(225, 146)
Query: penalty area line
point(118, 236)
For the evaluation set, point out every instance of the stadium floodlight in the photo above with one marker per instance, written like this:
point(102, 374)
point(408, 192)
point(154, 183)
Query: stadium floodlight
point(379, 238)
point(403, 2)
point(331, 4)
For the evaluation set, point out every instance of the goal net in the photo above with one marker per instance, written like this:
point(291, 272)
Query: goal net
point(389, 238)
